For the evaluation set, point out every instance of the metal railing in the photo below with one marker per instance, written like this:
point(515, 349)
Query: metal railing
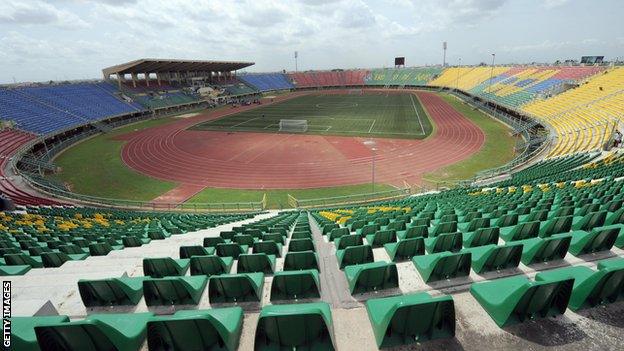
point(350, 199)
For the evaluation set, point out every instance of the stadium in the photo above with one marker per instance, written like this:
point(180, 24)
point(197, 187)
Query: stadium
point(209, 204)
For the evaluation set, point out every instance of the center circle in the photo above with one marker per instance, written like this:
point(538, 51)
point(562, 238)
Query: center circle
point(337, 105)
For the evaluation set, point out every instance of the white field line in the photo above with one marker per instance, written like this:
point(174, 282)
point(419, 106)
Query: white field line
point(417, 114)
point(372, 125)
point(243, 122)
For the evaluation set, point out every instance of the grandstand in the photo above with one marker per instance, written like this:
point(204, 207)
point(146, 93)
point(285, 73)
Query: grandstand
point(401, 76)
point(508, 257)
point(584, 117)
point(267, 81)
point(46, 109)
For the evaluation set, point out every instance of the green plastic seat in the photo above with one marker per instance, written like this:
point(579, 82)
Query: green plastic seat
point(368, 229)
point(444, 242)
point(306, 326)
point(268, 247)
point(301, 260)
point(521, 231)
point(305, 234)
point(616, 217)
point(619, 241)
point(165, 267)
point(372, 276)
point(100, 249)
point(513, 300)
point(443, 265)
point(546, 249)
point(328, 228)
point(236, 287)
point(231, 250)
point(23, 260)
point(406, 319)
point(257, 262)
point(72, 249)
point(481, 237)
point(493, 258)
point(121, 331)
point(443, 228)
point(158, 235)
point(355, 255)
point(292, 285)
point(244, 239)
point(133, 241)
point(506, 220)
point(174, 290)
point(297, 245)
point(599, 239)
point(111, 291)
point(413, 232)
point(405, 249)
point(474, 224)
point(23, 335)
point(591, 288)
point(277, 237)
point(14, 270)
point(381, 237)
point(348, 240)
point(589, 221)
point(556, 225)
point(56, 259)
point(210, 265)
point(337, 233)
point(195, 250)
point(213, 241)
point(213, 329)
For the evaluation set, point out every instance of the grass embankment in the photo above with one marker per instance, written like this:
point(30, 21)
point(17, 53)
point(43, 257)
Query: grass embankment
point(497, 150)
point(94, 167)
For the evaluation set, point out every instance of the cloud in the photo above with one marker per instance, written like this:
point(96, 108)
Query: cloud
point(551, 4)
point(38, 13)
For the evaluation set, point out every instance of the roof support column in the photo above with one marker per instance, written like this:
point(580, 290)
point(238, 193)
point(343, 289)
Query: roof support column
point(146, 79)
point(134, 79)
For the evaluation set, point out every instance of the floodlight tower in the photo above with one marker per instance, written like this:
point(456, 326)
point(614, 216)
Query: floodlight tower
point(491, 73)
point(296, 56)
point(372, 145)
point(457, 79)
point(444, 56)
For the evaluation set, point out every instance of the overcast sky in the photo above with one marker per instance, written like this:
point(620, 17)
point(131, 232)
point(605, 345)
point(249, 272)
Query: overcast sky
point(75, 39)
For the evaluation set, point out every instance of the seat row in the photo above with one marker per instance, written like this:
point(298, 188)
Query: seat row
point(396, 320)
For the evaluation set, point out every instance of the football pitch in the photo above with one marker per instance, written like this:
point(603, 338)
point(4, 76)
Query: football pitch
point(368, 114)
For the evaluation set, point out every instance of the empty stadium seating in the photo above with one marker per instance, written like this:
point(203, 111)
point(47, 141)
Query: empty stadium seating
point(267, 81)
point(338, 78)
point(47, 109)
point(401, 76)
point(583, 117)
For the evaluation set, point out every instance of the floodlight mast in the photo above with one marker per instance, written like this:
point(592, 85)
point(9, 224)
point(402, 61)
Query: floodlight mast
point(296, 63)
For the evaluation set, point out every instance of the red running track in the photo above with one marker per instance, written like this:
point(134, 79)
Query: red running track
point(284, 161)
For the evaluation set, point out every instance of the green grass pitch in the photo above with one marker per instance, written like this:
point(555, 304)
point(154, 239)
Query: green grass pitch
point(368, 114)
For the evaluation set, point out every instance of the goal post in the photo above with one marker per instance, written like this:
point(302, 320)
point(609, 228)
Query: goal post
point(293, 125)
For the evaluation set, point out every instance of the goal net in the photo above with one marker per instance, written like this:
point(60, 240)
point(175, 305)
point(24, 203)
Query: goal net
point(293, 125)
